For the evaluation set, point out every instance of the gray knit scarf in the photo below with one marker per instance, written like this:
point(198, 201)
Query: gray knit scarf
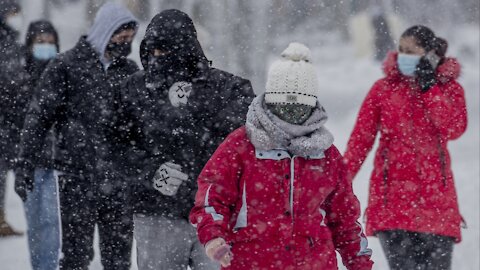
point(267, 132)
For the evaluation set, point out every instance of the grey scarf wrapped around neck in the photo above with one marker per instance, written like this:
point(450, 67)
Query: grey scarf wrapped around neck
point(267, 132)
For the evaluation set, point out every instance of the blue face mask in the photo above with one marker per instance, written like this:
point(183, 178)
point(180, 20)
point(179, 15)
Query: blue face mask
point(407, 63)
point(44, 51)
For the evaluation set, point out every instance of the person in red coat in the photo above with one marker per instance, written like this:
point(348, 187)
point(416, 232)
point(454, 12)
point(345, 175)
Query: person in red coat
point(274, 195)
point(417, 108)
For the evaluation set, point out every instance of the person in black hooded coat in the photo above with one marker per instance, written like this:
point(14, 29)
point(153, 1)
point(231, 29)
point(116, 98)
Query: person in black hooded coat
point(41, 206)
point(173, 115)
point(76, 94)
point(41, 46)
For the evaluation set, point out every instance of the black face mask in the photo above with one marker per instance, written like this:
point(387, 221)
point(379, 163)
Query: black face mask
point(295, 114)
point(119, 50)
point(165, 70)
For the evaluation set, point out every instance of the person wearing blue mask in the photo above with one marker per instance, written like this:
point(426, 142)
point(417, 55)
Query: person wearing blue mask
point(42, 45)
point(41, 206)
point(417, 108)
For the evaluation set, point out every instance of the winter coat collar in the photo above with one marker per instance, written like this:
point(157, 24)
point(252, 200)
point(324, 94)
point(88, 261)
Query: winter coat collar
point(267, 132)
point(448, 70)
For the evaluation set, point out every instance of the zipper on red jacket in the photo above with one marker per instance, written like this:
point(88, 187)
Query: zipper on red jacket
point(292, 178)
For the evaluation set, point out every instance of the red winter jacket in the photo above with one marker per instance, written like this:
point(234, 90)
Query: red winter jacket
point(277, 211)
point(412, 185)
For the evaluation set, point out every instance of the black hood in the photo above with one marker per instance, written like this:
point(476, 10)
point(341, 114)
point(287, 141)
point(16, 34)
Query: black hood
point(173, 30)
point(35, 28)
point(40, 27)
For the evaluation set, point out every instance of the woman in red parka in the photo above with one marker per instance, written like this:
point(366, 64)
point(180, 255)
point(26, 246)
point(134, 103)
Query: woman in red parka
point(274, 195)
point(417, 108)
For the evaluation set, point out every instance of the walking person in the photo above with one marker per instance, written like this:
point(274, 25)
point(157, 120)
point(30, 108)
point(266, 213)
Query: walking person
point(42, 204)
point(76, 95)
point(274, 195)
point(417, 108)
point(11, 77)
point(174, 113)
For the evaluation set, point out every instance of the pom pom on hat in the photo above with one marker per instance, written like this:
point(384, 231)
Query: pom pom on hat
point(292, 79)
point(297, 52)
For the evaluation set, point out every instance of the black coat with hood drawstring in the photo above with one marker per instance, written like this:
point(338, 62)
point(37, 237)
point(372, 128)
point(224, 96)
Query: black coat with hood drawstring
point(154, 131)
point(34, 69)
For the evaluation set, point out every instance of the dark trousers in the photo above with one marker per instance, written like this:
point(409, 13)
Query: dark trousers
point(82, 207)
point(416, 251)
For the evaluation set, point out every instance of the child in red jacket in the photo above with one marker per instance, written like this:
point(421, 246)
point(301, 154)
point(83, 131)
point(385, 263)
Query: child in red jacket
point(417, 108)
point(275, 194)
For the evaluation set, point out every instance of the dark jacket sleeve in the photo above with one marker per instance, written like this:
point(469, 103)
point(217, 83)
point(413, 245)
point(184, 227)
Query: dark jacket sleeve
point(233, 107)
point(132, 153)
point(225, 108)
point(47, 103)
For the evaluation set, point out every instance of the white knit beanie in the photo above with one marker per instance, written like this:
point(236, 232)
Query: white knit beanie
point(292, 79)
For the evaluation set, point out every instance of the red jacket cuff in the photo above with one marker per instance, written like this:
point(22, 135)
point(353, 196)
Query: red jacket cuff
point(209, 233)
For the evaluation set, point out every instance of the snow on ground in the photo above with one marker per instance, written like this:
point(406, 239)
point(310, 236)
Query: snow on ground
point(344, 81)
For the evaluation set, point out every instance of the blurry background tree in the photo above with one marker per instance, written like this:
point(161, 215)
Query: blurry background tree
point(92, 7)
point(141, 9)
point(240, 36)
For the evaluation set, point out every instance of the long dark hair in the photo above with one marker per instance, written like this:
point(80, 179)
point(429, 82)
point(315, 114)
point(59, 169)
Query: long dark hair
point(427, 39)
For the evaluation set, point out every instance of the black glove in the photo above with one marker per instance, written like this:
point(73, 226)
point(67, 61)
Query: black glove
point(426, 75)
point(24, 176)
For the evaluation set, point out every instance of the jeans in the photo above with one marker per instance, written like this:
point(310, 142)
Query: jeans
point(168, 244)
point(416, 251)
point(43, 220)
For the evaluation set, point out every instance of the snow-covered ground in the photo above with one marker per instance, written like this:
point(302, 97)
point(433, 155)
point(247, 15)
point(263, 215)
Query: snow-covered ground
point(344, 81)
